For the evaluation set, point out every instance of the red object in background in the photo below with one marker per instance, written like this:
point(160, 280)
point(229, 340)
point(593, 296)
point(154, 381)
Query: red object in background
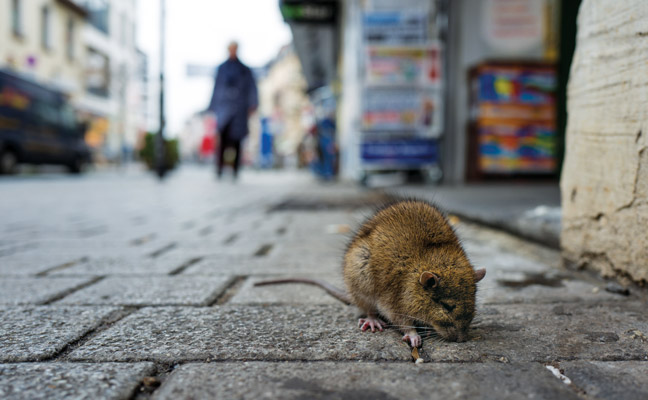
point(208, 145)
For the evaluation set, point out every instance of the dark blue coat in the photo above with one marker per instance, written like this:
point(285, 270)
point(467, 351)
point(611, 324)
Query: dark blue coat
point(235, 94)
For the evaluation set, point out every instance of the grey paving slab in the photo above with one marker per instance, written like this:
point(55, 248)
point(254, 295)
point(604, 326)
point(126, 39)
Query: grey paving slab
point(549, 287)
point(33, 262)
point(309, 332)
point(153, 290)
point(32, 290)
point(250, 265)
point(35, 333)
point(623, 380)
point(120, 265)
point(292, 293)
point(67, 380)
point(548, 332)
point(326, 380)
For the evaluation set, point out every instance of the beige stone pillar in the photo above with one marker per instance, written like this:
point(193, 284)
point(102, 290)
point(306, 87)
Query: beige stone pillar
point(604, 181)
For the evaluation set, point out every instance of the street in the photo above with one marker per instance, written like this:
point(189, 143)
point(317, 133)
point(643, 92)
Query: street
point(115, 285)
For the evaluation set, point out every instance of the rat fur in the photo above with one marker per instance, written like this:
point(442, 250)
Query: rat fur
point(405, 263)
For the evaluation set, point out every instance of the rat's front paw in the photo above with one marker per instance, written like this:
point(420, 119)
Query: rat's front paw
point(413, 339)
point(370, 322)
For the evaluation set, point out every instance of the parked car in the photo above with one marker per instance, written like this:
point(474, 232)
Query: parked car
point(38, 126)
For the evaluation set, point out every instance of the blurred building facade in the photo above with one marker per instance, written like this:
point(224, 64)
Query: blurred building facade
point(284, 102)
point(85, 48)
point(115, 80)
point(43, 40)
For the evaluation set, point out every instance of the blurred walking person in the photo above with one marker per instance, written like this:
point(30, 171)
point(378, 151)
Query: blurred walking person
point(234, 99)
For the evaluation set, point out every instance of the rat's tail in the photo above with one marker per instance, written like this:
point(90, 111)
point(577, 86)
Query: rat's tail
point(330, 289)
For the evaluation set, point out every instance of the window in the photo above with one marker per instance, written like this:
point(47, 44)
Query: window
point(46, 37)
point(16, 17)
point(99, 13)
point(97, 73)
point(69, 39)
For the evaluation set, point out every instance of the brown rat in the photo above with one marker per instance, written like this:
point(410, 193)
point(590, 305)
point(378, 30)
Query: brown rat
point(405, 263)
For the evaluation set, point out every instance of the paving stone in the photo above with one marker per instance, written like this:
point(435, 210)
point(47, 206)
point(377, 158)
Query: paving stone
point(250, 265)
point(549, 332)
point(309, 332)
point(154, 290)
point(293, 293)
point(125, 266)
point(35, 333)
point(513, 287)
point(31, 290)
point(67, 380)
point(609, 380)
point(33, 262)
point(326, 380)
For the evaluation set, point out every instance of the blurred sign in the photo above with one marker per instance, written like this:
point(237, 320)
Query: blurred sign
point(402, 110)
point(395, 27)
point(403, 65)
point(513, 26)
point(312, 12)
point(514, 106)
point(201, 70)
point(415, 152)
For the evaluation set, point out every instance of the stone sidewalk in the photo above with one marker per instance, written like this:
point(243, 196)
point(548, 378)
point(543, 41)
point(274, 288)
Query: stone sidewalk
point(115, 286)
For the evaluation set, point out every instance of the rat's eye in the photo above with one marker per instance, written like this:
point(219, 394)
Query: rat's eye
point(449, 308)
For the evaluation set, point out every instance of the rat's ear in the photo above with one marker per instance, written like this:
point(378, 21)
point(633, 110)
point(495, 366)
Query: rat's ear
point(429, 280)
point(479, 274)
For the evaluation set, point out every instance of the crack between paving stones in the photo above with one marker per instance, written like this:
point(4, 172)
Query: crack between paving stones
point(71, 290)
point(579, 391)
point(186, 265)
point(264, 250)
point(163, 250)
point(146, 390)
point(230, 290)
point(231, 238)
point(105, 324)
point(61, 267)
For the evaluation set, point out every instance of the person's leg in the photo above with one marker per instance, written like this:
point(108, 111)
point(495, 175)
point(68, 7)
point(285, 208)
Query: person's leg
point(223, 144)
point(221, 152)
point(236, 144)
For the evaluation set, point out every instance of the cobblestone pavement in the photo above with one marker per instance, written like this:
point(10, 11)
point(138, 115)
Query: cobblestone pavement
point(116, 286)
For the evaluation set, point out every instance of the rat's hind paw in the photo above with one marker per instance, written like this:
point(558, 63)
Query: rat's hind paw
point(413, 339)
point(370, 322)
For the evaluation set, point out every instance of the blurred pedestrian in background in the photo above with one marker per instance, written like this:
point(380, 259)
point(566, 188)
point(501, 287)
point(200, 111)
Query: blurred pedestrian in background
point(233, 101)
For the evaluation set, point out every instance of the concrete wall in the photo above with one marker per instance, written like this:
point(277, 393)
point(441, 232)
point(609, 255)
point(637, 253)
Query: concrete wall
point(605, 175)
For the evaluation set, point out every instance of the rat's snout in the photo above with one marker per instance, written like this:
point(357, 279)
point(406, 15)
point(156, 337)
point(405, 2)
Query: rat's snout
point(453, 334)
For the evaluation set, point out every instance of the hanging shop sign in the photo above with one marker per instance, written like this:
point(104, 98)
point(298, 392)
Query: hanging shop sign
point(513, 26)
point(390, 109)
point(310, 12)
point(390, 28)
point(403, 65)
point(414, 152)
